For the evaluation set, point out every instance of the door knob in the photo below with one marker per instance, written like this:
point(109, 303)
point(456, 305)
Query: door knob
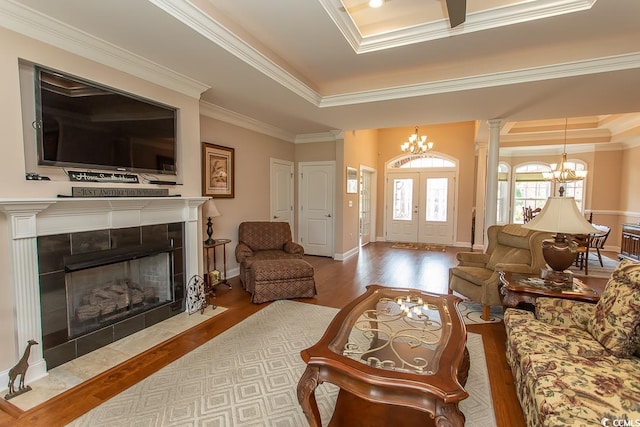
point(328, 215)
point(275, 217)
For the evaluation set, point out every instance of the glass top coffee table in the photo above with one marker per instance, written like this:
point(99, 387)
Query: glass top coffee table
point(396, 354)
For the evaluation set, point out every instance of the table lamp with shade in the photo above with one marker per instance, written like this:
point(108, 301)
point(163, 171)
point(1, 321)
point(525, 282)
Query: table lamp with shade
point(560, 215)
point(210, 211)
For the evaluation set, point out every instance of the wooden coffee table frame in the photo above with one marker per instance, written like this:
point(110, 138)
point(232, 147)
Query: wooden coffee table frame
point(513, 292)
point(411, 398)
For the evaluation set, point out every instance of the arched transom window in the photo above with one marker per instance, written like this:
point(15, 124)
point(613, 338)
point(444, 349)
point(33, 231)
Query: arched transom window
point(432, 161)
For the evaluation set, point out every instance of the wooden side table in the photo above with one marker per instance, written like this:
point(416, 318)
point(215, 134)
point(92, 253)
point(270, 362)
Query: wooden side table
point(210, 255)
point(517, 289)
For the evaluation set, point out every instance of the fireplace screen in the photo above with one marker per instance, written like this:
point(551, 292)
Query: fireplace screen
point(105, 294)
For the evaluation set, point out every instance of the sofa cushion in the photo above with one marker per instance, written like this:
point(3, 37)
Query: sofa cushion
point(564, 312)
point(616, 321)
point(569, 390)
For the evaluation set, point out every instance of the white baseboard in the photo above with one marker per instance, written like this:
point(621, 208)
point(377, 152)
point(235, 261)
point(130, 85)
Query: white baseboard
point(348, 254)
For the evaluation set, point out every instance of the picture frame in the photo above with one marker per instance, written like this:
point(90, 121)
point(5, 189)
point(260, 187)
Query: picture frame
point(218, 171)
point(352, 180)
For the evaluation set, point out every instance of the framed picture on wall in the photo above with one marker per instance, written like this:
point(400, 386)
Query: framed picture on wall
point(352, 180)
point(218, 171)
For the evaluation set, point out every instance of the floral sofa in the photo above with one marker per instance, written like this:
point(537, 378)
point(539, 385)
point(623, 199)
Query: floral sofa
point(576, 363)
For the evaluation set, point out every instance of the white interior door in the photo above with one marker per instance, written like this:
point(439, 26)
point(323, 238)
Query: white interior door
point(436, 208)
point(316, 193)
point(281, 191)
point(402, 207)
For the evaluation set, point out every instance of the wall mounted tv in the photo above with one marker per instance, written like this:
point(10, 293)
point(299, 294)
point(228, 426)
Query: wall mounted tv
point(87, 125)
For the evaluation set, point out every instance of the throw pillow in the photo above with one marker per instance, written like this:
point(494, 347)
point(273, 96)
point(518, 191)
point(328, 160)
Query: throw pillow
point(616, 322)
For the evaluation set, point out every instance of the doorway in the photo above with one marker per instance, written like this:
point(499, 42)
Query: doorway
point(367, 205)
point(281, 197)
point(420, 201)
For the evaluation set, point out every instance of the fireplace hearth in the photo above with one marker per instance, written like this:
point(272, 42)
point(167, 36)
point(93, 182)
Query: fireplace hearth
point(37, 268)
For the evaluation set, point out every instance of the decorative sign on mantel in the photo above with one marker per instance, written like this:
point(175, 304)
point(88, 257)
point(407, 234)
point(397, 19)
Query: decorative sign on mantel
point(118, 192)
point(103, 177)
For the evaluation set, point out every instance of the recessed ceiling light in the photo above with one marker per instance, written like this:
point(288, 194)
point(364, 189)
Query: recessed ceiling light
point(375, 3)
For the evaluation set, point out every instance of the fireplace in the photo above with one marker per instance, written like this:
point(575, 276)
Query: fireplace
point(105, 288)
point(99, 286)
point(42, 231)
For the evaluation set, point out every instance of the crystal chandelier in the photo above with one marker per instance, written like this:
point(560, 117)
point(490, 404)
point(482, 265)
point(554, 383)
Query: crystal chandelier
point(416, 144)
point(562, 172)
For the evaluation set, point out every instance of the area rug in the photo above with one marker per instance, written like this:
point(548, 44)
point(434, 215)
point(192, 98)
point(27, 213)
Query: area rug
point(247, 376)
point(471, 312)
point(419, 246)
point(595, 270)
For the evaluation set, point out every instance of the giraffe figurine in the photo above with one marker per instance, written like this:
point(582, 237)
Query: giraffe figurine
point(20, 369)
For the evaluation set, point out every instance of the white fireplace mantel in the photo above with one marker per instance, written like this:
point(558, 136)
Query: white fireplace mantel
point(29, 218)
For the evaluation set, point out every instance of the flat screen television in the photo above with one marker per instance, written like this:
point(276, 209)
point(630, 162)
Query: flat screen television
point(87, 125)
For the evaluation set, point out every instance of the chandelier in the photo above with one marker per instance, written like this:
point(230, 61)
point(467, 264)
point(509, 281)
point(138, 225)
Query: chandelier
point(563, 172)
point(416, 144)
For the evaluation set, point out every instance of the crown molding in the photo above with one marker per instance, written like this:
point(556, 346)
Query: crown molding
point(240, 120)
point(549, 72)
point(204, 24)
point(26, 21)
point(31, 23)
point(477, 21)
point(331, 136)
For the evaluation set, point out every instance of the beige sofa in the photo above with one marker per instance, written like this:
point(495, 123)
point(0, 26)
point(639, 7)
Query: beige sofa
point(510, 248)
point(576, 363)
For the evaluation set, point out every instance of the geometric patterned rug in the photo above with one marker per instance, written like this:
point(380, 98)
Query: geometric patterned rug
point(471, 312)
point(247, 376)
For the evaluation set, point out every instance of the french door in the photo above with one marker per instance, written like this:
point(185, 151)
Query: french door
point(420, 207)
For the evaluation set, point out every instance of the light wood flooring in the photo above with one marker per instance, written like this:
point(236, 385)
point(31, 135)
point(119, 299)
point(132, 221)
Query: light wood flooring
point(337, 284)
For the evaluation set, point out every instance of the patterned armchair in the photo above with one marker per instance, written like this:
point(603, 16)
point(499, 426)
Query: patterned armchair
point(511, 248)
point(263, 240)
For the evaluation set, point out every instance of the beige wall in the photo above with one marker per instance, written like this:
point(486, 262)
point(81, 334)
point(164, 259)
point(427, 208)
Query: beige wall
point(12, 173)
point(253, 152)
point(605, 190)
point(360, 149)
point(455, 140)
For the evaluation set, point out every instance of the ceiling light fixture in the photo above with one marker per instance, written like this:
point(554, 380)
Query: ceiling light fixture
point(375, 3)
point(562, 172)
point(416, 144)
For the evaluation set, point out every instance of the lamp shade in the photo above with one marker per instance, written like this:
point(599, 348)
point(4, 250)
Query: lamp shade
point(210, 209)
point(561, 215)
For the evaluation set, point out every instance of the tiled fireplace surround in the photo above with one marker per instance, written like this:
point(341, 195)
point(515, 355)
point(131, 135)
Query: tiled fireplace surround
point(29, 219)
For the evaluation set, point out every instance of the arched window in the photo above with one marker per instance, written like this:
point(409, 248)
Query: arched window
point(431, 161)
point(574, 189)
point(531, 189)
point(503, 193)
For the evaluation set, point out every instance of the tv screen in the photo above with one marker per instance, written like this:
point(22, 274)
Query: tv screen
point(84, 124)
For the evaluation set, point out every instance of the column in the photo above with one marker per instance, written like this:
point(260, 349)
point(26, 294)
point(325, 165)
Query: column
point(492, 173)
point(481, 180)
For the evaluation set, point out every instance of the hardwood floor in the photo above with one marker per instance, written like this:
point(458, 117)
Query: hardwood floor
point(337, 284)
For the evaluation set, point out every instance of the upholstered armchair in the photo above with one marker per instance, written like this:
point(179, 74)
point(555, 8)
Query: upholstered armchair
point(510, 248)
point(263, 240)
